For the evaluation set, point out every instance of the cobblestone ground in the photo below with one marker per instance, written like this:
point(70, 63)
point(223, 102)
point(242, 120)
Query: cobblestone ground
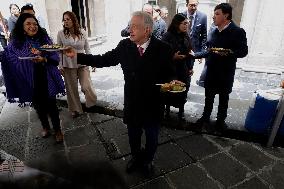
point(97, 145)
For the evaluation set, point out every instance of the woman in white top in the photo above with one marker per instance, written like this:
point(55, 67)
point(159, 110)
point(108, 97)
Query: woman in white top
point(73, 35)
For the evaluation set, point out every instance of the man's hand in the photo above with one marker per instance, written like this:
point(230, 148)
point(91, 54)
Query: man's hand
point(70, 52)
point(178, 56)
point(191, 53)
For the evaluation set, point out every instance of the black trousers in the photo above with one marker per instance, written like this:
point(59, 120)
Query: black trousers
point(209, 101)
point(203, 75)
point(43, 104)
point(151, 133)
point(47, 107)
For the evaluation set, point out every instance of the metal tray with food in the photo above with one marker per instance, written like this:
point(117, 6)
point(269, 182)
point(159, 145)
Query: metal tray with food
point(173, 87)
point(214, 49)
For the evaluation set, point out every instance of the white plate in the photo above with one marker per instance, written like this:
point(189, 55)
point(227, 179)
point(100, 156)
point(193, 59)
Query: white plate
point(178, 91)
point(26, 57)
point(52, 50)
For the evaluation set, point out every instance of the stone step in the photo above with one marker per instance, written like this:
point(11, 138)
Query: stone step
point(262, 69)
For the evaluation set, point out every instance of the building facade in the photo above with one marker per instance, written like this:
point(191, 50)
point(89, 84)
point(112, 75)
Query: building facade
point(265, 28)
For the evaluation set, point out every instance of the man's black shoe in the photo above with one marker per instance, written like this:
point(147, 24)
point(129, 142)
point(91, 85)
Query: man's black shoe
point(181, 116)
point(202, 120)
point(199, 124)
point(133, 164)
point(148, 169)
point(220, 126)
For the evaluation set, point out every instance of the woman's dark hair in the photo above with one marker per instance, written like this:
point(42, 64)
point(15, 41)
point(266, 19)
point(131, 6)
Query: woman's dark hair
point(226, 8)
point(176, 21)
point(12, 4)
point(19, 35)
point(76, 25)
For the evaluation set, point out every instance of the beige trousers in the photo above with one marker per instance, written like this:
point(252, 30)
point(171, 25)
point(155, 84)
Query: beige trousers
point(71, 76)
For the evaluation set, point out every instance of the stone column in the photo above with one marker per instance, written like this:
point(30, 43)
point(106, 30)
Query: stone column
point(238, 6)
point(54, 10)
point(265, 32)
point(118, 16)
point(250, 18)
point(90, 17)
point(171, 6)
point(98, 17)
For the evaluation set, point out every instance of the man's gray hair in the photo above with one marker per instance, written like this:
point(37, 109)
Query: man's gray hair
point(148, 20)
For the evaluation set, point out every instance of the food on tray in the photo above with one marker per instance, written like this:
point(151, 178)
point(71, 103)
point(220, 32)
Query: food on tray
point(173, 86)
point(165, 87)
point(53, 46)
point(214, 49)
point(177, 87)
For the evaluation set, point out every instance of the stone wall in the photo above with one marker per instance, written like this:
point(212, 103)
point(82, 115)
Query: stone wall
point(264, 24)
point(237, 10)
point(55, 10)
point(171, 6)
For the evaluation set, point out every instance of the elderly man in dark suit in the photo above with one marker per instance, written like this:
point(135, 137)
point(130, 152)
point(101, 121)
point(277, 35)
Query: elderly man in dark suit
point(227, 42)
point(145, 61)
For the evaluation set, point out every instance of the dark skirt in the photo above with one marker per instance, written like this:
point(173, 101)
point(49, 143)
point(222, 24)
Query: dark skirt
point(175, 99)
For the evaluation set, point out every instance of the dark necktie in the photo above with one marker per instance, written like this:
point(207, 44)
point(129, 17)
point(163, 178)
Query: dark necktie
point(190, 20)
point(140, 50)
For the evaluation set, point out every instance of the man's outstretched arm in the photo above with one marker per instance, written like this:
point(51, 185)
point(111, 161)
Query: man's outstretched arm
point(110, 58)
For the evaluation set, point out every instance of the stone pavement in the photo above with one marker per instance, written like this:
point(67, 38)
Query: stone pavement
point(183, 160)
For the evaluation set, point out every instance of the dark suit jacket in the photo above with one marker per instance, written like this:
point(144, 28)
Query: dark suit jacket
point(221, 69)
point(198, 35)
point(142, 98)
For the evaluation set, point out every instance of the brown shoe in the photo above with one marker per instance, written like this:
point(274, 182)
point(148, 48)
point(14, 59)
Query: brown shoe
point(75, 114)
point(45, 133)
point(58, 136)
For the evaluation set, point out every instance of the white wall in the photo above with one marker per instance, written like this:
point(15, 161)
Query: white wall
point(263, 21)
point(118, 14)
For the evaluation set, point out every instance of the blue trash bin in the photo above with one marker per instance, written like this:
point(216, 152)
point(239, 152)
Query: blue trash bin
point(261, 113)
